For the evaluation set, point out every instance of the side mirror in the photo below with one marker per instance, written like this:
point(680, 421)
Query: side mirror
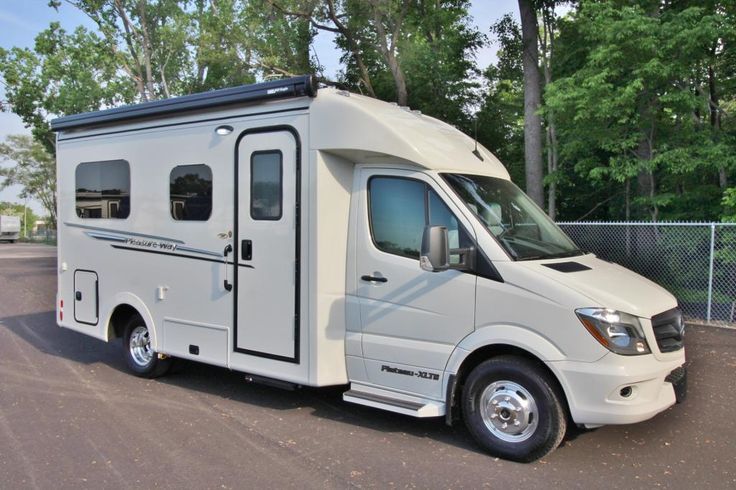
point(435, 254)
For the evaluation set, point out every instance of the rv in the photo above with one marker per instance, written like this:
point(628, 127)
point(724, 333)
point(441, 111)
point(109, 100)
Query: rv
point(9, 228)
point(308, 236)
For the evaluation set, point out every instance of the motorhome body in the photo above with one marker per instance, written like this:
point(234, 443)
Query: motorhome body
point(318, 237)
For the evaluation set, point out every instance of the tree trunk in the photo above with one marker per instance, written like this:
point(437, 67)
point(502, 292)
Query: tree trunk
point(715, 121)
point(532, 103)
point(551, 168)
point(388, 49)
point(645, 178)
point(552, 153)
point(147, 50)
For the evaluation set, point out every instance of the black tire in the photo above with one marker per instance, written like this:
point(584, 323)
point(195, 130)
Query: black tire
point(139, 356)
point(527, 386)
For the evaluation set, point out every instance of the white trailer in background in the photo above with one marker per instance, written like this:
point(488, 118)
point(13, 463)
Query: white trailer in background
point(317, 237)
point(9, 228)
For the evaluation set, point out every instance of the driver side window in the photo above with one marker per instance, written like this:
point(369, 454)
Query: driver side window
point(400, 208)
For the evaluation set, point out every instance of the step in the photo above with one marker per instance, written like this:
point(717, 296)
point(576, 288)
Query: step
point(393, 402)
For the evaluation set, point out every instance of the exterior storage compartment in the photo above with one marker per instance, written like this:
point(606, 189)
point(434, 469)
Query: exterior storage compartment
point(86, 302)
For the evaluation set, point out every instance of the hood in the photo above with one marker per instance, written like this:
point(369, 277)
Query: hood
point(607, 285)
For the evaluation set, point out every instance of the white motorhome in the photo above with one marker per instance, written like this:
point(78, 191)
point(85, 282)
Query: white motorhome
point(317, 237)
point(9, 228)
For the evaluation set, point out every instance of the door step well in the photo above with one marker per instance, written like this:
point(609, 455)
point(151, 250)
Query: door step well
point(393, 402)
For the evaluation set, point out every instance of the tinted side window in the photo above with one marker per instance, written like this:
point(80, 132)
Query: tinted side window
point(190, 192)
point(397, 213)
point(440, 215)
point(266, 185)
point(103, 189)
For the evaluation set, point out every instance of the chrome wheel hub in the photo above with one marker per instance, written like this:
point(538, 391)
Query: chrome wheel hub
point(509, 411)
point(140, 346)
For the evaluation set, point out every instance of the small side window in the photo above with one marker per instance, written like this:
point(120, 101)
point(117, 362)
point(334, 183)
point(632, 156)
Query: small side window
point(103, 190)
point(266, 185)
point(190, 193)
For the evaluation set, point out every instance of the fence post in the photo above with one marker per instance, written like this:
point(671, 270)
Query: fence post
point(710, 273)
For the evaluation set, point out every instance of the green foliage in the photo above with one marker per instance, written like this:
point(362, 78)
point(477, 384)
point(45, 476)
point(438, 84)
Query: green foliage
point(435, 49)
point(34, 171)
point(65, 73)
point(500, 119)
point(633, 107)
point(729, 202)
point(640, 95)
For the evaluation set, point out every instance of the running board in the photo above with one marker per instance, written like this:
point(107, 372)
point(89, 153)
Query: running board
point(394, 402)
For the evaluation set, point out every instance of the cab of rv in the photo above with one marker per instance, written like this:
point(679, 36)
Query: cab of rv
point(447, 257)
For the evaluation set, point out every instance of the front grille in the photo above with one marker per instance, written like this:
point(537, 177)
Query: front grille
point(669, 330)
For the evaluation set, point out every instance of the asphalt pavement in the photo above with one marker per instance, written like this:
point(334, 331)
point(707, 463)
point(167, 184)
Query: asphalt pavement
point(72, 417)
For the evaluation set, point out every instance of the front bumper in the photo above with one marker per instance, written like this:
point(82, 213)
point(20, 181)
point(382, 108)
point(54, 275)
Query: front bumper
point(598, 392)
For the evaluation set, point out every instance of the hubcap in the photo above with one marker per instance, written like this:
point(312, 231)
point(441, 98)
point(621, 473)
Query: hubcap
point(140, 346)
point(509, 411)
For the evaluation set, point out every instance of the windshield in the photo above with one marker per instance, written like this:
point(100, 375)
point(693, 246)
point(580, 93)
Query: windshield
point(523, 229)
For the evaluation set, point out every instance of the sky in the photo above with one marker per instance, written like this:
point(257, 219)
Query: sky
point(22, 20)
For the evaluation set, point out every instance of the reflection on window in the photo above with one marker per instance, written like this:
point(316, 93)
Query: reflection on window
point(190, 192)
point(400, 208)
point(397, 215)
point(440, 215)
point(520, 226)
point(103, 189)
point(266, 183)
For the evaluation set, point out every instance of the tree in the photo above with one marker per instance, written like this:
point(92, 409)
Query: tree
point(532, 102)
point(34, 171)
point(65, 73)
point(546, 48)
point(500, 120)
point(631, 107)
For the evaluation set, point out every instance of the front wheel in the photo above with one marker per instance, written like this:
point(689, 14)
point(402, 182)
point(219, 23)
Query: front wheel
point(139, 353)
point(512, 409)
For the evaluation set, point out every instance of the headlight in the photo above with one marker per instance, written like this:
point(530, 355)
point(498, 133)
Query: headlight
point(617, 331)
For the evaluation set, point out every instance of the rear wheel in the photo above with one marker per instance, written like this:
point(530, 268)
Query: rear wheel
point(512, 409)
point(139, 353)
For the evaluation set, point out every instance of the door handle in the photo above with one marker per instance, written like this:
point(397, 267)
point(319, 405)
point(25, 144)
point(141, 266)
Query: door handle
point(373, 279)
point(246, 249)
point(228, 287)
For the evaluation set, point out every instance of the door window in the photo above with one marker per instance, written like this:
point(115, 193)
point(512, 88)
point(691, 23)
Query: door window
point(266, 185)
point(400, 208)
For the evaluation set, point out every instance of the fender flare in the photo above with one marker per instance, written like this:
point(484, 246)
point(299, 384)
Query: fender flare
point(513, 335)
point(510, 335)
point(135, 302)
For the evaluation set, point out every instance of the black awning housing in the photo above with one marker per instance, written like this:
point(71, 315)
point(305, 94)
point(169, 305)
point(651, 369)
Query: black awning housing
point(301, 86)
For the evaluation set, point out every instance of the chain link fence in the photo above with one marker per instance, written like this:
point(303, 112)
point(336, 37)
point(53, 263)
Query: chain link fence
point(695, 261)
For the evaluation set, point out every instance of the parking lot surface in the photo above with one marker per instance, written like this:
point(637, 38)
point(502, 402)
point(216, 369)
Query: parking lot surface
point(72, 417)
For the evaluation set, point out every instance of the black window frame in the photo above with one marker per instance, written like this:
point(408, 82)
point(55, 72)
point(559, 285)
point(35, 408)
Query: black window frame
point(212, 193)
point(281, 187)
point(130, 190)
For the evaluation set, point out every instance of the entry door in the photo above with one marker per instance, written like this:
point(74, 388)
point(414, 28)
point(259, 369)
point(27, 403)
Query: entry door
point(412, 319)
point(266, 251)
